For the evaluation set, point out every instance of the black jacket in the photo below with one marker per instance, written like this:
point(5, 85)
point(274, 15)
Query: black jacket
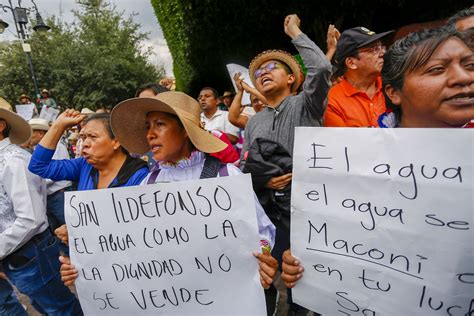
point(267, 159)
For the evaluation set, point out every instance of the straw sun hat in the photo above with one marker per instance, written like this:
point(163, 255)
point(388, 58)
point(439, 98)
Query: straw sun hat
point(128, 120)
point(20, 130)
point(281, 56)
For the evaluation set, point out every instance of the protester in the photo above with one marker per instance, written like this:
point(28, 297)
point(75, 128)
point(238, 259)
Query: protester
point(149, 90)
point(47, 100)
point(462, 20)
point(25, 99)
point(238, 115)
point(28, 251)
point(357, 100)
point(179, 145)
point(428, 77)
point(105, 164)
point(55, 189)
point(332, 37)
point(228, 155)
point(278, 76)
point(429, 80)
point(227, 99)
point(213, 118)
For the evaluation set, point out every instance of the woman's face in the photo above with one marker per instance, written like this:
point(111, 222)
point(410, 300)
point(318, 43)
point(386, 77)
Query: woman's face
point(167, 139)
point(98, 148)
point(440, 93)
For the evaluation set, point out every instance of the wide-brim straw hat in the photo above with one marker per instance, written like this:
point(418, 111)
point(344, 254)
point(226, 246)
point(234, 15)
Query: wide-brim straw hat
point(39, 124)
point(128, 121)
point(281, 56)
point(5, 105)
point(20, 130)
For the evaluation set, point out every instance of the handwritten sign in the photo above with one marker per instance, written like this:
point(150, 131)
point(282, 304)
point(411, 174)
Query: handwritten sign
point(169, 248)
point(382, 221)
point(232, 69)
point(49, 113)
point(25, 110)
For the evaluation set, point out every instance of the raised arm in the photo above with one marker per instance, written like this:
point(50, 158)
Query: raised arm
point(318, 76)
point(68, 118)
point(235, 117)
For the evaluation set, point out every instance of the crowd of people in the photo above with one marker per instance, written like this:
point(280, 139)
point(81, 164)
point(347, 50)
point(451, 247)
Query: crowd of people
point(425, 79)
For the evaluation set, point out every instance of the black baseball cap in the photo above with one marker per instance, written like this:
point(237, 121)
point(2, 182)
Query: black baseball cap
point(355, 38)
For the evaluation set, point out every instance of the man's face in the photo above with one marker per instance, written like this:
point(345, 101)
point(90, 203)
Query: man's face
point(370, 60)
point(272, 76)
point(24, 100)
point(36, 137)
point(207, 101)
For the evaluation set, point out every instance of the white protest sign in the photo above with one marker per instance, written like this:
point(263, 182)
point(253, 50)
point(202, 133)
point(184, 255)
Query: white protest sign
point(25, 110)
point(244, 74)
point(382, 221)
point(49, 113)
point(170, 248)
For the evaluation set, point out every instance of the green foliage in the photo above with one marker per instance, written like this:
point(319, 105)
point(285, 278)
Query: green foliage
point(95, 62)
point(205, 35)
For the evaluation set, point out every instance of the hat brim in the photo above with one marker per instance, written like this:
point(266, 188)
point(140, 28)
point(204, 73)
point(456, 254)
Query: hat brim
point(128, 120)
point(374, 38)
point(283, 57)
point(39, 127)
point(20, 130)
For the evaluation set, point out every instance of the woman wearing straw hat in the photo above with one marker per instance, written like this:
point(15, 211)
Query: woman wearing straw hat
point(169, 126)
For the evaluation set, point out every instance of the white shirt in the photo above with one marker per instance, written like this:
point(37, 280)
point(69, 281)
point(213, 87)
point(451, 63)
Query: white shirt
point(60, 153)
point(220, 121)
point(22, 199)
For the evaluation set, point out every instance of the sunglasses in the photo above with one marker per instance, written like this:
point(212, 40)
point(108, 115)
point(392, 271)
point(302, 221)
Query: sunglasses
point(376, 49)
point(269, 67)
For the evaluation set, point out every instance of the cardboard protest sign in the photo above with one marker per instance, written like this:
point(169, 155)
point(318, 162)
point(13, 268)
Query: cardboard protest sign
point(235, 68)
point(49, 113)
point(25, 110)
point(382, 221)
point(169, 248)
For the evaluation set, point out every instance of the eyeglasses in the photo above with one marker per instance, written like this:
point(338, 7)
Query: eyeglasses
point(269, 67)
point(374, 49)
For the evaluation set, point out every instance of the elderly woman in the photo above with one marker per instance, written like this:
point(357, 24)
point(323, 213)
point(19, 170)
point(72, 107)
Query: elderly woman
point(104, 164)
point(428, 78)
point(169, 126)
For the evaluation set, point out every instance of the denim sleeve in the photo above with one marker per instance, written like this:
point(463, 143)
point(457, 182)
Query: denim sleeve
point(44, 166)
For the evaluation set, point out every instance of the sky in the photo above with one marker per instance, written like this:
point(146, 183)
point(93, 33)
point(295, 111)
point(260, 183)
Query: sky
point(145, 16)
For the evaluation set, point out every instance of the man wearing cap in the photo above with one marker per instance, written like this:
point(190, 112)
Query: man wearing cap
point(55, 189)
point(278, 76)
point(213, 118)
point(357, 100)
point(28, 251)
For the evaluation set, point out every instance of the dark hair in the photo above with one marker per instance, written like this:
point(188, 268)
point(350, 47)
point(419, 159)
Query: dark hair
point(341, 67)
point(214, 91)
point(410, 54)
point(156, 88)
point(104, 118)
point(6, 131)
point(460, 15)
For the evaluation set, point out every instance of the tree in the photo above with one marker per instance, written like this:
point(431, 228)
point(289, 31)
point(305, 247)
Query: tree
point(95, 62)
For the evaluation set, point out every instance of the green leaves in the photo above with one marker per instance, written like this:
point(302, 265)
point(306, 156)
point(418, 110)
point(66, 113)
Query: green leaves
point(95, 62)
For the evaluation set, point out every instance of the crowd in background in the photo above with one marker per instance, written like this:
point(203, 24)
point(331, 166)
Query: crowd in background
point(423, 80)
